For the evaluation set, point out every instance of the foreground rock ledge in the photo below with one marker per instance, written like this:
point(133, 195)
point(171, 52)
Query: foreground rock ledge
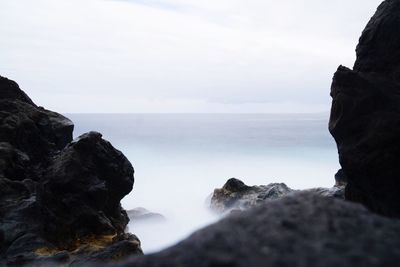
point(302, 229)
point(59, 199)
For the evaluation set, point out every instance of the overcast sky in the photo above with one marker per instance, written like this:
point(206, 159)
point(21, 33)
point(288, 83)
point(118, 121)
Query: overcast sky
point(179, 55)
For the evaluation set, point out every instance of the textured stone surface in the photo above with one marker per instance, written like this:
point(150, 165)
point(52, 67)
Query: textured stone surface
point(302, 229)
point(35, 131)
point(378, 50)
point(59, 199)
point(10, 90)
point(340, 178)
point(92, 175)
point(236, 195)
point(365, 115)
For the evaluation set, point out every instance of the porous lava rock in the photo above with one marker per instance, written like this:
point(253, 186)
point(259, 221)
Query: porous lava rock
point(298, 230)
point(59, 198)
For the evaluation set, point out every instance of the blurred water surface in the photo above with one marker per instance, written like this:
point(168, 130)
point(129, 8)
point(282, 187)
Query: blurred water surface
point(180, 158)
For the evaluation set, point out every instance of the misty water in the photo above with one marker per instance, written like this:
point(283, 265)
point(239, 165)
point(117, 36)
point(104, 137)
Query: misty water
point(179, 159)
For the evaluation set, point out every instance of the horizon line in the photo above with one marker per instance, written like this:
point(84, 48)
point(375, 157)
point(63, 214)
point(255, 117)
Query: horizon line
point(200, 113)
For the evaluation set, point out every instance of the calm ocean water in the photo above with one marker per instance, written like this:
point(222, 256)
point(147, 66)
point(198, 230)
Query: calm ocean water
point(180, 158)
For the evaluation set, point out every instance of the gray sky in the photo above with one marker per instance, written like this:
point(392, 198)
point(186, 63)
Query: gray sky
point(234, 56)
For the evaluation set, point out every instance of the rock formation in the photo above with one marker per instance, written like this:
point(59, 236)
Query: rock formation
point(143, 215)
point(236, 195)
point(340, 178)
point(301, 229)
point(59, 198)
point(365, 115)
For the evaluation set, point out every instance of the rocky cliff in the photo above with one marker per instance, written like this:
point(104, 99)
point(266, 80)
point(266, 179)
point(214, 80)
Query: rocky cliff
point(365, 116)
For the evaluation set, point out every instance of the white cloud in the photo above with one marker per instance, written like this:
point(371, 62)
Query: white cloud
point(179, 56)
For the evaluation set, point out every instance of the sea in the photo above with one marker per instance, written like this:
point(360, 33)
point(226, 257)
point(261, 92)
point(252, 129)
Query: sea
point(179, 159)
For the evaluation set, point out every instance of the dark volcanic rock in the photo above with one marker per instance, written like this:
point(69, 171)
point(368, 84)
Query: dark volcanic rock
point(336, 191)
point(235, 185)
point(13, 162)
point(126, 246)
point(59, 200)
point(35, 131)
point(10, 90)
point(299, 230)
point(92, 175)
point(143, 215)
point(340, 178)
point(365, 115)
point(379, 48)
point(236, 195)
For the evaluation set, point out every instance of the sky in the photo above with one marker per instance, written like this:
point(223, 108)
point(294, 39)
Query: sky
point(179, 56)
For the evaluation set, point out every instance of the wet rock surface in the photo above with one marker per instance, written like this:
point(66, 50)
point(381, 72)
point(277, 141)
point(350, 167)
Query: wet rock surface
point(301, 229)
point(236, 195)
point(365, 115)
point(59, 198)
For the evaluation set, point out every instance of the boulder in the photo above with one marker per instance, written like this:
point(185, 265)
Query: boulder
point(143, 215)
point(59, 199)
point(237, 196)
point(81, 190)
point(298, 230)
point(365, 115)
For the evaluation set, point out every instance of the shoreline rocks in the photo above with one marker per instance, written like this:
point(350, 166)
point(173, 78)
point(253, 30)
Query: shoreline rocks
point(340, 178)
point(59, 198)
point(365, 115)
point(143, 215)
point(49, 184)
point(300, 229)
point(236, 195)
